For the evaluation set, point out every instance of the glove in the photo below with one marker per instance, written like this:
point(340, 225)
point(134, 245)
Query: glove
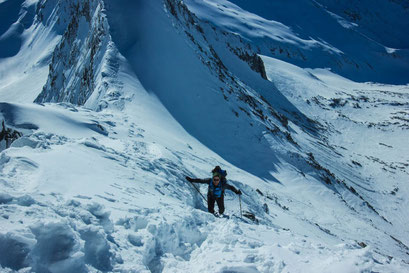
point(189, 179)
point(239, 192)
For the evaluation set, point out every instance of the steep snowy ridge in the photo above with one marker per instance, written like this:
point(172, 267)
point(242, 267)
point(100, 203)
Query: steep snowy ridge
point(78, 61)
point(132, 96)
point(194, 81)
point(337, 179)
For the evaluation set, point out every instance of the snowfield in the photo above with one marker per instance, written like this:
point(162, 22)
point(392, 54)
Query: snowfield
point(160, 90)
point(94, 191)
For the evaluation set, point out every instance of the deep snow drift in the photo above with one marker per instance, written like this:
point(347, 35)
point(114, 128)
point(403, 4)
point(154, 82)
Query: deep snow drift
point(94, 180)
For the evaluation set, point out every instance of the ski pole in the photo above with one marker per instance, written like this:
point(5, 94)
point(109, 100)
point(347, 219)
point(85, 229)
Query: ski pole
point(198, 191)
point(241, 212)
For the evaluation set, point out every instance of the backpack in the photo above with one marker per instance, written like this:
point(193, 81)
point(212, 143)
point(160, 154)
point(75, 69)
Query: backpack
point(219, 190)
point(223, 174)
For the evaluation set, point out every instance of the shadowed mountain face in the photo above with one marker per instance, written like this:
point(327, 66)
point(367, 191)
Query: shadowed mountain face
point(382, 21)
point(15, 18)
point(202, 82)
point(361, 40)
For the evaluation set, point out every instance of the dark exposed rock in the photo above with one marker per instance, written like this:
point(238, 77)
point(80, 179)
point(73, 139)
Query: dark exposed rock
point(362, 244)
point(8, 135)
point(73, 48)
point(252, 59)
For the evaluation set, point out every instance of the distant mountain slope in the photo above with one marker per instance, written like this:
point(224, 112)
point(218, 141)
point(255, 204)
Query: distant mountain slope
point(308, 34)
point(382, 20)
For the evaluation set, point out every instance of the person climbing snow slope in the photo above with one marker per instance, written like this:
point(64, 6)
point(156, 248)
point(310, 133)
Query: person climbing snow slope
point(217, 186)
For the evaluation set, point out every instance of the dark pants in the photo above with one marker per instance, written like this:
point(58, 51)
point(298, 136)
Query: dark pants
point(210, 203)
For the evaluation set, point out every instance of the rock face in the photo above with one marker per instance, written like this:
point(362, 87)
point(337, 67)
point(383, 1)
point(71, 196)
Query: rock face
point(76, 68)
point(7, 136)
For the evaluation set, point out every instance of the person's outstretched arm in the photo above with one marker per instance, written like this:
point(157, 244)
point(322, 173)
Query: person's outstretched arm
point(233, 189)
point(198, 180)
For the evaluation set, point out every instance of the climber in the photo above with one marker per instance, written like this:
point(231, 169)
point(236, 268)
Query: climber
point(217, 185)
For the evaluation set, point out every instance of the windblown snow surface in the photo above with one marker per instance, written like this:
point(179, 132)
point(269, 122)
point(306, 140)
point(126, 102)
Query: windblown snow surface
point(307, 111)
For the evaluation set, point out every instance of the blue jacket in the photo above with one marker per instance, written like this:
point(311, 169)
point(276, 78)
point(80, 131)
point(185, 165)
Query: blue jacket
point(215, 191)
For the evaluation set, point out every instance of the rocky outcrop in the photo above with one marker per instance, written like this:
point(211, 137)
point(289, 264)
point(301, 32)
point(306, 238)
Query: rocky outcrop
point(252, 59)
point(77, 60)
point(7, 136)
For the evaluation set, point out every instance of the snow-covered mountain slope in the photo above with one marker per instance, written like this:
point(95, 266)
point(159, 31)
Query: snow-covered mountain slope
point(361, 40)
point(135, 95)
point(22, 73)
point(382, 21)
